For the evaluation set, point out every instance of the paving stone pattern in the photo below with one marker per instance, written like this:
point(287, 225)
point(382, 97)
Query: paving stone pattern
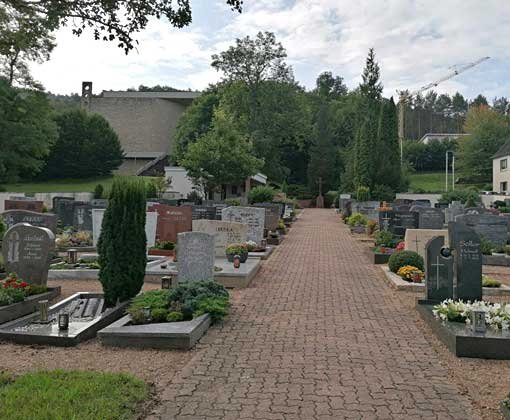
point(318, 335)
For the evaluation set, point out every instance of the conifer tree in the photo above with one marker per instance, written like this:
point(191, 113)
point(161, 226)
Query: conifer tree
point(122, 246)
point(387, 151)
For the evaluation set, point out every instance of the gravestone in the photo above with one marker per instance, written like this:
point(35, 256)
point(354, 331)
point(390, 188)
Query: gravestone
point(151, 221)
point(438, 271)
point(456, 208)
point(27, 251)
point(492, 227)
point(82, 215)
point(203, 212)
point(195, 256)
point(416, 239)
point(397, 222)
point(422, 203)
point(24, 204)
point(430, 218)
point(466, 244)
point(367, 208)
point(171, 221)
point(63, 208)
point(254, 217)
point(273, 214)
point(45, 220)
point(225, 233)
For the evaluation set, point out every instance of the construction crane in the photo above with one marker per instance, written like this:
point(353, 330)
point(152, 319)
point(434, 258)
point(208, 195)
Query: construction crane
point(405, 97)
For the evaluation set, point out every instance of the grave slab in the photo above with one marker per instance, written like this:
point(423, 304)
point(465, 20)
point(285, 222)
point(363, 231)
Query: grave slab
point(29, 305)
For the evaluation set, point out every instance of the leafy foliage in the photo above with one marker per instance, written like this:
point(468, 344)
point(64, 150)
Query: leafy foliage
point(402, 258)
point(87, 146)
point(122, 246)
point(357, 219)
point(261, 194)
point(386, 238)
point(459, 195)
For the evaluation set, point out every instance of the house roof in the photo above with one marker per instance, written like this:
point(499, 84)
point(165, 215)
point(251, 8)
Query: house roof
point(503, 151)
point(441, 136)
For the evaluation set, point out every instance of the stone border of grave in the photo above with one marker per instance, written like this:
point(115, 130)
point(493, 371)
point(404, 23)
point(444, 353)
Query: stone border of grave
point(29, 305)
point(496, 260)
point(262, 255)
point(463, 342)
point(399, 284)
point(88, 331)
point(505, 411)
point(240, 277)
point(379, 257)
point(169, 335)
point(275, 241)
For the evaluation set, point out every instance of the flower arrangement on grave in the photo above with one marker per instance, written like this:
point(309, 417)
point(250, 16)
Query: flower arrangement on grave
point(237, 249)
point(69, 238)
point(166, 245)
point(251, 245)
point(401, 246)
point(385, 239)
point(411, 274)
point(13, 290)
point(187, 301)
point(371, 227)
point(281, 224)
point(402, 258)
point(497, 316)
point(357, 219)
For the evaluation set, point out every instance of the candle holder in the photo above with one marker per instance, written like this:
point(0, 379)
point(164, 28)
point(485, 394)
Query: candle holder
point(72, 256)
point(43, 311)
point(237, 261)
point(166, 282)
point(478, 324)
point(63, 322)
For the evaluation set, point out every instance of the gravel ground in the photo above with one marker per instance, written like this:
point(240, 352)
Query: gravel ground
point(156, 367)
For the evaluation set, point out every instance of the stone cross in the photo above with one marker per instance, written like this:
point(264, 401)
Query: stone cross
point(437, 265)
point(438, 271)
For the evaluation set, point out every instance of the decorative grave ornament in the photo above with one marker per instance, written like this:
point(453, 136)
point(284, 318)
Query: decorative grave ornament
point(478, 323)
point(195, 260)
point(27, 251)
point(254, 217)
point(438, 271)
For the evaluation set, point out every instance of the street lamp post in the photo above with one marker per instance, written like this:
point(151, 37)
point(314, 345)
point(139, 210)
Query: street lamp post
point(453, 170)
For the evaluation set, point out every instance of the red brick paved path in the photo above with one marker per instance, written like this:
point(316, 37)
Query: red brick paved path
point(318, 335)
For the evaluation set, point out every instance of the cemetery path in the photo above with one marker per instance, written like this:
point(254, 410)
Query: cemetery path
point(318, 335)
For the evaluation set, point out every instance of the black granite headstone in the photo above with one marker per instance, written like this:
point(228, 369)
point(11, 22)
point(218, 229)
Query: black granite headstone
point(438, 271)
point(430, 218)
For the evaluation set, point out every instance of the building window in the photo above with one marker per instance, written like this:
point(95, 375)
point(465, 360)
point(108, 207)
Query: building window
point(234, 190)
point(503, 164)
point(503, 186)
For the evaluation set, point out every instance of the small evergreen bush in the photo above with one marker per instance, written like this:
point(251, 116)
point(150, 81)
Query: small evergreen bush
point(357, 219)
point(262, 194)
point(122, 246)
point(363, 194)
point(98, 191)
point(402, 258)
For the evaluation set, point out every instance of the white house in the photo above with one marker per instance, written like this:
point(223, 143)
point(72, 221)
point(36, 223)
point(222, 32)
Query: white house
point(500, 171)
point(427, 138)
point(181, 185)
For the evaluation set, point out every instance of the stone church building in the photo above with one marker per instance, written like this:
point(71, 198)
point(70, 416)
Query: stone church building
point(144, 121)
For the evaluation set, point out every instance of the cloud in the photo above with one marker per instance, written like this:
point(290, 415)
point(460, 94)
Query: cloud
point(416, 41)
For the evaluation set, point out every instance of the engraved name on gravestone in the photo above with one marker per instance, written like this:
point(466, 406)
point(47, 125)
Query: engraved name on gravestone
point(195, 256)
point(203, 212)
point(438, 271)
point(467, 261)
point(46, 220)
point(254, 217)
point(272, 214)
point(26, 251)
point(430, 218)
point(492, 227)
point(225, 233)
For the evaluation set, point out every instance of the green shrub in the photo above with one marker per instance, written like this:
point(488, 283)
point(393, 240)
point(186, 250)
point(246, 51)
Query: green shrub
point(262, 194)
point(363, 194)
point(10, 296)
point(382, 193)
point(490, 282)
point(485, 245)
point(174, 316)
point(233, 202)
point(298, 191)
point(499, 203)
point(386, 239)
point(331, 198)
point(237, 249)
point(167, 245)
point(401, 258)
point(459, 195)
point(216, 307)
point(122, 246)
point(159, 315)
point(357, 219)
point(98, 191)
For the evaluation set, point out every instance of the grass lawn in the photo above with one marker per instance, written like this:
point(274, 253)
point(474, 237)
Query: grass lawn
point(70, 395)
point(60, 185)
point(428, 181)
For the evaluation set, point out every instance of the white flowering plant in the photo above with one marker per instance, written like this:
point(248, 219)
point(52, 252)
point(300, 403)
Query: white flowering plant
point(252, 245)
point(497, 316)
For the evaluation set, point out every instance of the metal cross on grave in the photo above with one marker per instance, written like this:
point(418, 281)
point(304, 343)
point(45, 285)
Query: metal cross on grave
point(416, 242)
point(386, 221)
point(437, 265)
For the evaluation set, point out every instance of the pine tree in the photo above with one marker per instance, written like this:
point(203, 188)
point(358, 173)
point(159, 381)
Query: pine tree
point(122, 246)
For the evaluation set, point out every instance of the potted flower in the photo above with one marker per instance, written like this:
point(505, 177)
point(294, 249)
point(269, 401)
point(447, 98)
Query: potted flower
point(237, 249)
point(251, 245)
point(411, 274)
point(281, 227)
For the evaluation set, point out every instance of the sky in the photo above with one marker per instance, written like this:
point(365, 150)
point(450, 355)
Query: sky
point(416, 42)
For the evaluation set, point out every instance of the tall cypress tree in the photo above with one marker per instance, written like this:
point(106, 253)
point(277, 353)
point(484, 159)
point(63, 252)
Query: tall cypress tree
point(122, 246)
point(387, 150)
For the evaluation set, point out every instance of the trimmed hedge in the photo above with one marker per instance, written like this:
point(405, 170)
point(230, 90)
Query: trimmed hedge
point(401, 258)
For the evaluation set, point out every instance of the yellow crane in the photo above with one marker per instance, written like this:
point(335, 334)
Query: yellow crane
point(405, 97)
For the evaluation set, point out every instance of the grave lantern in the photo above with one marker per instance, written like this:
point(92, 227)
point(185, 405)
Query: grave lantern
point(263, 243)
point(43, 310)
point(237, 261)
point(72, 256)
point(63, 322)
point(478, 321)
point(166, 282)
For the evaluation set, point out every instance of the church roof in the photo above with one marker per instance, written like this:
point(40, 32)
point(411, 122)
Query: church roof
point(503, 151)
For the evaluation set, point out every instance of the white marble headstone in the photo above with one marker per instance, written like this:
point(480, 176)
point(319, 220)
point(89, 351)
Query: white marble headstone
point(254, 217)
point(225, 233)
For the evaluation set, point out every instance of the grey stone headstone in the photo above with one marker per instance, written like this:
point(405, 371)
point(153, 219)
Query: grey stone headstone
point(272, 214)
point(468, 261)
point(46, 220)
point(254, 217)
point(492, 227)
point(225, 233)
point(397, 222)
point(438, 271)
point(27, 251)
point(422, 203)
point(203, 212)
point(430, 218)
point(195, 256)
